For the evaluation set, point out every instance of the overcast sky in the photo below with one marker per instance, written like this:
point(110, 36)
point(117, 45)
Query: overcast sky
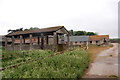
point(99, 16)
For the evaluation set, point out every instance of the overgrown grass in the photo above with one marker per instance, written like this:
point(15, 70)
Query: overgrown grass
point(71, 64)
point(14, 57)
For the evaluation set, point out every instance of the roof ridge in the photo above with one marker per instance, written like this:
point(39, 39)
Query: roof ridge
point(55, 28)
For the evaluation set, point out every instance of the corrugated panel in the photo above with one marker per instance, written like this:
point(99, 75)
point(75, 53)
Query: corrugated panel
point(77, 38)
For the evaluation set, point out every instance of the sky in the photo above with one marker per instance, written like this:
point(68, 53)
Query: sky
point(99, 16)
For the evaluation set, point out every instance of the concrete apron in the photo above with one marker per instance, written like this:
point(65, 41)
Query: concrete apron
point(106, 63)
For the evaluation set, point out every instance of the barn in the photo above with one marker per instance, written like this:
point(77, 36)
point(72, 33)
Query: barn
point(99, 39)
point(45, 38)
point(93, 39)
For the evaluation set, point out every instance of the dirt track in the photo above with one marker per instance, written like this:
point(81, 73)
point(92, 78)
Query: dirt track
point(106, 64)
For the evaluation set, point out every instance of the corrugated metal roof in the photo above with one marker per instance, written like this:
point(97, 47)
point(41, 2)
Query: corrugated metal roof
point(77, 38)
point(50, 29)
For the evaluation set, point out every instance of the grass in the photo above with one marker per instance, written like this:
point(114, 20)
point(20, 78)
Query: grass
point(115, 39)
point(113, 76)
point(14, 57)
point(71, 64)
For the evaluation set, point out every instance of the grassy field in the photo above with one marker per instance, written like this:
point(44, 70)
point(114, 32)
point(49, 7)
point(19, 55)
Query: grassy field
point(70, 64)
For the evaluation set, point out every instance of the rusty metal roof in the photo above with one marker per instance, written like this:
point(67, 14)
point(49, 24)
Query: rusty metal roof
point(98, 37)
point(50, 29)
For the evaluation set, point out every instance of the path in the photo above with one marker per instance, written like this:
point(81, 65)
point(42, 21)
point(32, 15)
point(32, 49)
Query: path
point(105, 64)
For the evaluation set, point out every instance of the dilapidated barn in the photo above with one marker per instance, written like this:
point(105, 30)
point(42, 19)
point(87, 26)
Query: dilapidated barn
point(93, 39)
point(99, 39)
point(46, 38)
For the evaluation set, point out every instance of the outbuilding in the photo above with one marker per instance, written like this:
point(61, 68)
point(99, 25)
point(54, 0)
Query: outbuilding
point(99, 39)
point(46, 38)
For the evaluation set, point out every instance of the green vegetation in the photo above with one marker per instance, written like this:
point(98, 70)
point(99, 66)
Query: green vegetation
point(113, 76)
point(32, 28)
point(14, 57)
point(81, 33)
point(70, 64)
point(115, 39)
point(21, 29)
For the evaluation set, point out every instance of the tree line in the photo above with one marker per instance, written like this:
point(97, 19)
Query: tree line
point(81, 33)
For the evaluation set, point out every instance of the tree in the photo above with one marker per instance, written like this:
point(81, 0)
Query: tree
point(71, 32)
point(79, 33)
point(16, 30)
point(32, 28)
point(91, 33)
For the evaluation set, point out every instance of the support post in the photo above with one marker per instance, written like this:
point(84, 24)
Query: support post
point(20, 42)
point(46, 45)
point(23, 40)
point(38, 41)
point(47, 40)
point(13, 40)
point(68, 40)
point(30, 41)
point(55, 41)
point(5, 43)
point(42, 41)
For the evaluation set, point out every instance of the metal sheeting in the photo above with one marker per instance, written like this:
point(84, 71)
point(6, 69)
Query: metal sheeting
point(77, 38)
